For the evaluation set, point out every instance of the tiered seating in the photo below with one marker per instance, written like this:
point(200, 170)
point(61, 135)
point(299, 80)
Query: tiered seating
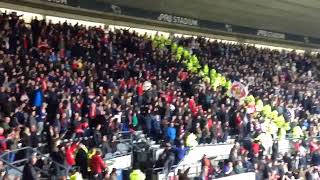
point(65, 82)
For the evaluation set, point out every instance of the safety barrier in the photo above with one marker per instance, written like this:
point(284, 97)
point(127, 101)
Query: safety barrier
point(219, 151)
point(120, 162)
point(194, 171)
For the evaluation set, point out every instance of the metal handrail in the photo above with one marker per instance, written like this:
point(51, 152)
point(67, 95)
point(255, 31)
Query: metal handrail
point(19, 161)
point(11, 166)
point(175, 166)
point(301, 138)
point(118, 155)
point(49, 158)
point(14, 150)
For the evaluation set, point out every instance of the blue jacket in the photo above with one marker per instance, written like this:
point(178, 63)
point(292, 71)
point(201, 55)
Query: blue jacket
point(171, 133)
point(181, 152)
point(38, 99)
point(53, 58)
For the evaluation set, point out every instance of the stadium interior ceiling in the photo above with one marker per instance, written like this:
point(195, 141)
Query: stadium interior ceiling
point(292, 16)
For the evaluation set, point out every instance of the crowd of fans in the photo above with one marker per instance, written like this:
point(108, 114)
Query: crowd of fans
point(62, 81)
point(286, 80)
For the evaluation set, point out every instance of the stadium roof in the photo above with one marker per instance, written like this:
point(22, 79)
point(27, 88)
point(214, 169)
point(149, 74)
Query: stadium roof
point(292, 16)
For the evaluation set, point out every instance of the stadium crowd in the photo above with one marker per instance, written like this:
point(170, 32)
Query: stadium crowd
point(62, 81)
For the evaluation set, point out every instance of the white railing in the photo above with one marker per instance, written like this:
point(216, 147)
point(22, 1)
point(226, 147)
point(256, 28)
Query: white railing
point(244, 176)
point(195, 171)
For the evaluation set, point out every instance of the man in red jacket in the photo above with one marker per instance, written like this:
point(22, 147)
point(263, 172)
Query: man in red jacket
point(70, 152)
point(97, 165)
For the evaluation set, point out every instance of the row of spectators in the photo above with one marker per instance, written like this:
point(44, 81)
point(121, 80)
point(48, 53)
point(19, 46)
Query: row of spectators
point(65, 81)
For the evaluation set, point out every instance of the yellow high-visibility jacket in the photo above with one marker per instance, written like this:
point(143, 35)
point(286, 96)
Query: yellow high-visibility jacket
point(137, 175)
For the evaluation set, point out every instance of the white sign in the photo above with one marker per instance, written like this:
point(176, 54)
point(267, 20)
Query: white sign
point(122, 162)
point(178, 20)
point(59, 1)
point(271, 34)
point(116, 9)
point(220, 151)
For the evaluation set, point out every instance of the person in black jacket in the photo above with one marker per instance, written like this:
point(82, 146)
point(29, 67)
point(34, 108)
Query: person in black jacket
point(97, 137)
point(82, 160)
point(170, 158)
point(29, 171)
point(59, 161)
point(275, 150)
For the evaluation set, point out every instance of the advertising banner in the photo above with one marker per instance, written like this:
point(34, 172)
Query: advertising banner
point(65, 2)
point(189, 21)
point(177, 20)
point(271, 34)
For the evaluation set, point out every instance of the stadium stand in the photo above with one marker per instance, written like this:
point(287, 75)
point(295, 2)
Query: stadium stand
point(74, 94)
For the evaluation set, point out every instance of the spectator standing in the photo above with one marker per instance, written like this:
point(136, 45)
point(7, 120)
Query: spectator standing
point(58, 156)
point(205, 166)
point(70, 154)
point(169, 160)
point(275, 150)
point(97, 137)
point(97, 166)
point(82, 160)
point(106, 147)
point(29, 170)
point(171, 132)
point(181, 151)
